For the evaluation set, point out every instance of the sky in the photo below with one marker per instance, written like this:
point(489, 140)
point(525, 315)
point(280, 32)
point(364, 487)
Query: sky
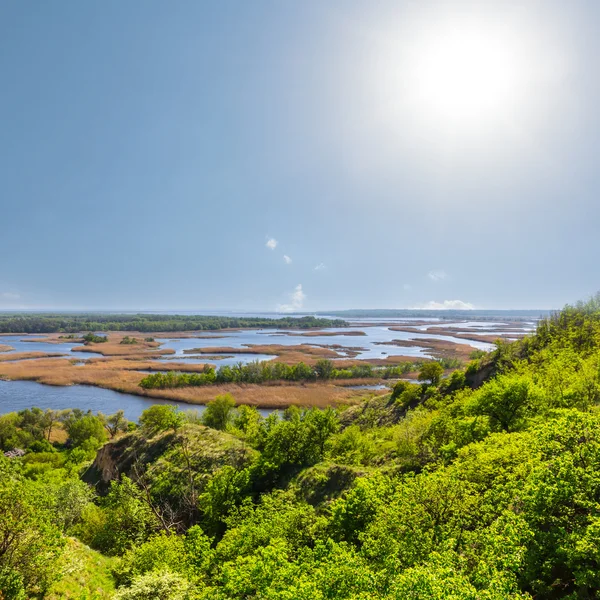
point(279, 155)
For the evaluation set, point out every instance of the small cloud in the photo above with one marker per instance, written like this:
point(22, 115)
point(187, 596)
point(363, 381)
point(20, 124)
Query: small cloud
point(448, 305)
point(437, 275)
point(272, 243)
point(297, 298)
point(320, 267)
point(287, 259)
point(11, 296)
point(407, 287)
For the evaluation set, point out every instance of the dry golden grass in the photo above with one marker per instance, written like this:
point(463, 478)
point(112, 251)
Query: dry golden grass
point(29, 355)
point(52, 338)
point(267, 396)
point(388, 361)
point(130, 364)
point(285, 354)
point(436, 348)
point(466, 333)
point(5, 348)
point(114, 347)
point(114, 377)
point(58, 434)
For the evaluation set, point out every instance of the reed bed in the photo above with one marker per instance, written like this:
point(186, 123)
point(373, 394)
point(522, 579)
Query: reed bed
point(278, 395)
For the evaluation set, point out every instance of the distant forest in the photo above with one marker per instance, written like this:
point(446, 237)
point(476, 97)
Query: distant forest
point(74, 323)
point(410, 313)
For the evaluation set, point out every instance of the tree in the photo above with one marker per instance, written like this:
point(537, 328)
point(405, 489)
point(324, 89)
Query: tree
point(10, 436)
point(125, 519)
point(161, 417)
point(156, 585)
point(115, 423)
point(84, 429)
point(30, 543)
point(324, 369)
point(219, 412)
point(431, 372)
point(505, 401)
point(37, 422)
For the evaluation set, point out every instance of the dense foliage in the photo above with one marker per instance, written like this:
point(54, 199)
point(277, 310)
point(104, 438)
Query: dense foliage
point(483, 485)
point(266, 371)
point(74, 323)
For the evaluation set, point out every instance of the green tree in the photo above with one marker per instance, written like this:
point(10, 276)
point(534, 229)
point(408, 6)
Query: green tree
point(115, 423)
point(506, 401)
point(219, 412)
point(124, 519)
point(30, 542)
point(156, 585)
point(161, 417)
point(324, 369)
point(39, 423)
point(431, 372)
point(85, 430)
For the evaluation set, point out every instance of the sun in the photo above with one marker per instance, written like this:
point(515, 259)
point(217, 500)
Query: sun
point(457, 79)
point(462, 76)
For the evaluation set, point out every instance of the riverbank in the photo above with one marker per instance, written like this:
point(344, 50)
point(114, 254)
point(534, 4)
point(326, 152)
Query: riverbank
point(62, 372)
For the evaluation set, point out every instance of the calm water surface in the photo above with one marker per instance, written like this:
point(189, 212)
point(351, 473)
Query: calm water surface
point(371, 345)
point(18, 395)
point(19, 345)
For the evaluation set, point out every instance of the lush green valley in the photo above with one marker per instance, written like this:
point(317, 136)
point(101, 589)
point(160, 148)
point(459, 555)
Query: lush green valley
point(482, 485)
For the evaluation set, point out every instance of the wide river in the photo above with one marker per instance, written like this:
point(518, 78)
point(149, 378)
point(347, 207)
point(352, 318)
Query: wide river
point(17, 395)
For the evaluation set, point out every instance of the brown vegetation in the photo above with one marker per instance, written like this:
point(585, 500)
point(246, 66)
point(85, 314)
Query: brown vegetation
point(435, 348)
point(286, 354)
point(5, 348)
point(129, 364)
point(467, 333)
point(114, 347)
point(113, 377)
point(16, 356)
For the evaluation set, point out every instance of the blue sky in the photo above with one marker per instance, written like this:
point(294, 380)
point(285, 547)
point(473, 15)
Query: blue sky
point(151, 150)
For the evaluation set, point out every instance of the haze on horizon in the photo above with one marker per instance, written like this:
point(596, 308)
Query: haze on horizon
point(299, 156)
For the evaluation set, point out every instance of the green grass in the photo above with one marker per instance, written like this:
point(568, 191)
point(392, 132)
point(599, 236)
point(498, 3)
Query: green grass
point(86, 575)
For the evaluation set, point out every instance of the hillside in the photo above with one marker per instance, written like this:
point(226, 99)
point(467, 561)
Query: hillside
point(485, 484)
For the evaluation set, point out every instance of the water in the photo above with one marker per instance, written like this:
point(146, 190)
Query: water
point(378, 386)
point(18, 395)
point(369, 346)
point(181, 344)
point(16, 341)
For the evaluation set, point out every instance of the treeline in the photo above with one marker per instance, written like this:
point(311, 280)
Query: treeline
point(56, 323)
point(266, 371)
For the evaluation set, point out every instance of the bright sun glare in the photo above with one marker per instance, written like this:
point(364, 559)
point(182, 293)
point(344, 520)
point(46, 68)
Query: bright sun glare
point(465, 80)
point(463, 76)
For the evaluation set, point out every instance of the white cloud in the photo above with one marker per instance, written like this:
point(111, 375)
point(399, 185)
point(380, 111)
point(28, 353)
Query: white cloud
point(437, 275)
point(297, 298)
point(407, 287)
point(320, 267)
point(10, 296)
point(287, 259)
point(272, 243)
point(448, 305)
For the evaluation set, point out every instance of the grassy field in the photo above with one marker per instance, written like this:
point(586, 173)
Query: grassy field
point(83, 569)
